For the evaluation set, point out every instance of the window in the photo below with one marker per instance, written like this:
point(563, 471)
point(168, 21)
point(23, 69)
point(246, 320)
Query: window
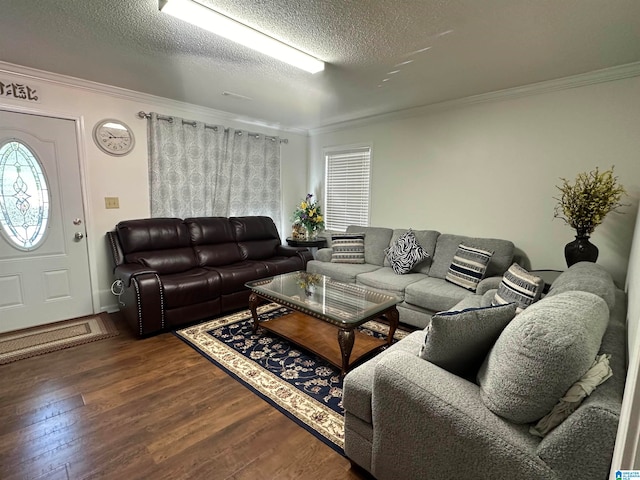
point(347, 181)
point(24, 196)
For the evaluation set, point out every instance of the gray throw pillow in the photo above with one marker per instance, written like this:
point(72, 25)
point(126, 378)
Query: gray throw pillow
point(541, 353)
point(405, 253)
point(458, 341)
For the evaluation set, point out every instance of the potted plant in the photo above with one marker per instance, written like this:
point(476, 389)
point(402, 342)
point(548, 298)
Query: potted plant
point(583, 205)
point(309, 215)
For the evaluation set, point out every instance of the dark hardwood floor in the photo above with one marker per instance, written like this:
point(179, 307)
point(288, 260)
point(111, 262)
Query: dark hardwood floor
point(123, 408)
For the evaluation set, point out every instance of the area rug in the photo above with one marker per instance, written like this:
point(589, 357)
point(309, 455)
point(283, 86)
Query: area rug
point(54, 336)
point(301, 385)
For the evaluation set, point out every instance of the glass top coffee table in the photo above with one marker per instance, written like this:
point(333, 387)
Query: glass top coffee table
point(324, 309)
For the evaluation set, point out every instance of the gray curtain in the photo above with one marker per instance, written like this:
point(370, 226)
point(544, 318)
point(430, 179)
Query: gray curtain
point(202, 170)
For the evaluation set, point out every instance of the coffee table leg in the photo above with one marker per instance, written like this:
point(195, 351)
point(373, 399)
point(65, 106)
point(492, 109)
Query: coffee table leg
point(254, 301)
point(394, 318)
point(345, 340)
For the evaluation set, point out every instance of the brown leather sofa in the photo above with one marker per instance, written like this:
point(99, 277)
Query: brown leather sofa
point(174, 271)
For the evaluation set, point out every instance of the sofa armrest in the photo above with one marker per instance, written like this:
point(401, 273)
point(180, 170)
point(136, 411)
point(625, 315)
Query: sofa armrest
point(288, 251)
point(486, 284)
point(582, 446)
point(429, 423)
point(141, 302)
point(324, 254)
point(113, 243)
point(127, 271)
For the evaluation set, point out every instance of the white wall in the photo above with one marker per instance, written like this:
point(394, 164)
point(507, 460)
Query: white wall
point(490, 169)
point(627, 453)
point(127, 177)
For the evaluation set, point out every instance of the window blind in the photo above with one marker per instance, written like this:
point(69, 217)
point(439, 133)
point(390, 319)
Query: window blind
point(347, 183)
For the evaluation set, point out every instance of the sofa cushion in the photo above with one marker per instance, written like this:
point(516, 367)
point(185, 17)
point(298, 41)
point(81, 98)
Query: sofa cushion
point(519, 286)
point(375, 241)
point(347, 248)
point(447, 245)
point(257, 236)
point(161, 244)
point(341, 272)
point(458, 341)
point(434, 294)
point(405, 252)
point(385, 278)
point(233, 277)
point(174, 260)
point(213, 240)
point(541, 353)
point(189, 288)
point(149, 234)
point(427, 240)
point(468, 267)
point(586, 277)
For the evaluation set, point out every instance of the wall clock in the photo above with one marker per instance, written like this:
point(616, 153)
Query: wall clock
point(113, 137)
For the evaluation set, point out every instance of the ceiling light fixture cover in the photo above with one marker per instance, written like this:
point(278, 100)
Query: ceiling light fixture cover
point(215, 22)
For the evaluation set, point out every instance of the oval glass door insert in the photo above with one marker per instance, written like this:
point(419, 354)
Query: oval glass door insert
point(24, 196)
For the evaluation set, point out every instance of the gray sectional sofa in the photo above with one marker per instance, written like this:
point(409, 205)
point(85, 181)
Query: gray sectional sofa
point(406, 417)
point(423, 291)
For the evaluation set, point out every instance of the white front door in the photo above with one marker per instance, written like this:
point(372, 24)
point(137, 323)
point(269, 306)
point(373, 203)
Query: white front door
point(44, 264)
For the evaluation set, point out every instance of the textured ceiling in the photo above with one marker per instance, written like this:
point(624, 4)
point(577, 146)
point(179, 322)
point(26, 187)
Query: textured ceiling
point(455, 48)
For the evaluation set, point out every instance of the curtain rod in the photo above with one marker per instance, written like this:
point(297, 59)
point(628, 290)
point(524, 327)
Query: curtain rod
point(142, 114)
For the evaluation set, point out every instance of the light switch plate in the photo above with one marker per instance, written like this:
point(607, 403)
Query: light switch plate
point(111, 202)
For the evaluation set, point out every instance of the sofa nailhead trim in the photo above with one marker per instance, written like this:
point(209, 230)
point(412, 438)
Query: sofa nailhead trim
point(114, 250)
point(161, 301)
point(135, 284)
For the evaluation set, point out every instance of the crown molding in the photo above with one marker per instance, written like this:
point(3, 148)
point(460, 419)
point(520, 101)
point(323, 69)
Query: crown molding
point(590, 78)
point(132, 95)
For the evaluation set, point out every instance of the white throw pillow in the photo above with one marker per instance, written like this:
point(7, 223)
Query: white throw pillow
point(599, 372)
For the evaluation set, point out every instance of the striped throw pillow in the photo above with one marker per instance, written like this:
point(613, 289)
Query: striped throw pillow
point(347, 248)
point(405, 253)
point(468, 267)
point(520, 287)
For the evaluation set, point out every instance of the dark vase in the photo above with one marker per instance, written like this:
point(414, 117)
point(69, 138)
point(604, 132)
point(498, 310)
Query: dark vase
point(580, 250)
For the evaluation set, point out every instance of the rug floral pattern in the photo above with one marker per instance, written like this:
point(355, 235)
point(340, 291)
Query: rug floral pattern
point(304, 386)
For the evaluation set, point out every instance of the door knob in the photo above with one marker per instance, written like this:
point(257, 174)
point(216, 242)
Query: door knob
point(79, 236)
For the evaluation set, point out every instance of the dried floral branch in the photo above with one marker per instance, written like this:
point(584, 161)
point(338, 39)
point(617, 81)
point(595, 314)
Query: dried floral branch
point(584, 204)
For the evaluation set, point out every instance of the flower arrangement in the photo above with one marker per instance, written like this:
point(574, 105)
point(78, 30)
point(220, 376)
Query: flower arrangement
point(307, 280)
point(584, 204)
point(308, 214)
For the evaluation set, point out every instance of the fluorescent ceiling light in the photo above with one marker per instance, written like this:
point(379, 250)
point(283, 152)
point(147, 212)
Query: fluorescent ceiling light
point(219, 24)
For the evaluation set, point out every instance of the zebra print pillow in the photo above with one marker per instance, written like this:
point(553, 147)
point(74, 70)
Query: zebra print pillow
point(405, 253)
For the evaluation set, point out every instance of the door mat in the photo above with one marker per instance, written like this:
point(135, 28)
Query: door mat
point(304, 387)
point(54, 336)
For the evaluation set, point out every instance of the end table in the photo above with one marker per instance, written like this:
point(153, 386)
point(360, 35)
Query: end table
point(312, 245)
point(548, 276)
